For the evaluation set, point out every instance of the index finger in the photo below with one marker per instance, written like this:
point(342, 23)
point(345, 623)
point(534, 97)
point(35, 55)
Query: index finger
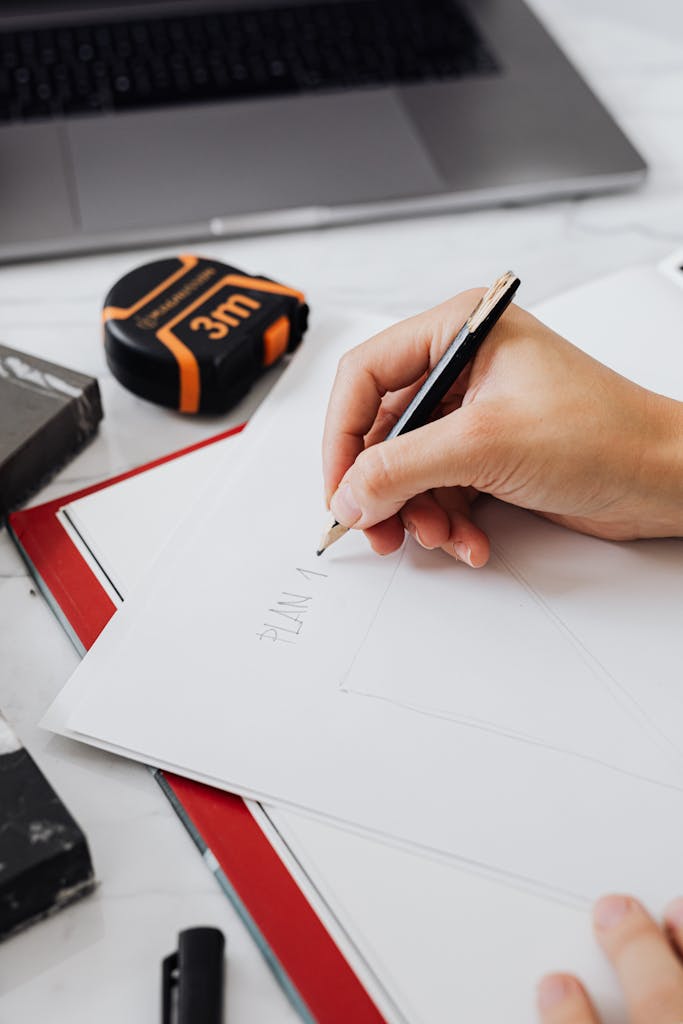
point(393, 359)
point(650, 973)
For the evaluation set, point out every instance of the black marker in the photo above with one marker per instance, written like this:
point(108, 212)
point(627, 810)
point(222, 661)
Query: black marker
point(459, 353)
point(192, 979)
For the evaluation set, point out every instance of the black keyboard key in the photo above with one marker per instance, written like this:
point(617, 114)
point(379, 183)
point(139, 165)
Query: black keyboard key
point(123, 65)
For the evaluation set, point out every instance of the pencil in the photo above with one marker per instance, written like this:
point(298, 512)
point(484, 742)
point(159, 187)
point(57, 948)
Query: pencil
point(459, 353)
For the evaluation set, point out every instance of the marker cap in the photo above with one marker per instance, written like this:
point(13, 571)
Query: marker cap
point(192, 978)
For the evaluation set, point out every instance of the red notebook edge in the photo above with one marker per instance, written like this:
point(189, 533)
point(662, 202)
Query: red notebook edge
point(306, 961)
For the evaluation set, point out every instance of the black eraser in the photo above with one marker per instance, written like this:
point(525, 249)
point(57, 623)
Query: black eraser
point(44, 858)
point(47, 414)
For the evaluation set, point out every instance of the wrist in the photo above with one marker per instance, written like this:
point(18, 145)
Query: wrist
point(662, 470)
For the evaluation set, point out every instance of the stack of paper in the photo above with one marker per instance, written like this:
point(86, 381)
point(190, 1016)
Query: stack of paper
point(518, 720)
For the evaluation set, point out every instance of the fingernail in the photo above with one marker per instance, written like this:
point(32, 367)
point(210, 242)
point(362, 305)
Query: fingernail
point(554, 990)
point(344, 506)
point(611, 910)
point(413, 531)
point(674, 912)
point(463, 552)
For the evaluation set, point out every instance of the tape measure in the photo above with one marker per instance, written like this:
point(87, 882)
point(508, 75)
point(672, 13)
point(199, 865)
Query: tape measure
point(194, 334)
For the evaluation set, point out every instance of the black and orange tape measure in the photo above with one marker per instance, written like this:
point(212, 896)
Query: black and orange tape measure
point(194, 333)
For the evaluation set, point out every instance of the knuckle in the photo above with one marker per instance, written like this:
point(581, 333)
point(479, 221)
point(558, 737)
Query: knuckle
point(462, 302)
point(373, 472)
point(348, 364)
point(471, 296)
point(459, 307)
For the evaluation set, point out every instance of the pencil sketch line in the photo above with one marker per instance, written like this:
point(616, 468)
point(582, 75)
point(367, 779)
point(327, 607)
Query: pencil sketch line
point(482, 725)
point(525, 883)
point(372, 621)
point(622, 696)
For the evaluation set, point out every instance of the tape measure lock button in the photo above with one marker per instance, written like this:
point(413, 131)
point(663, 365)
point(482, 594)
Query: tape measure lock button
point(195, 334)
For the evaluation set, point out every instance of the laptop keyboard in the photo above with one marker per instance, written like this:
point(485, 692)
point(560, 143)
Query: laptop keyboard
point(129, 65)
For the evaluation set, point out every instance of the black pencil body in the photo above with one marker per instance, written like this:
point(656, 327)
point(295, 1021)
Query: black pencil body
point(459, 353)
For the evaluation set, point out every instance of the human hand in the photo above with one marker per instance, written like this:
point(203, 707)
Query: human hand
point(533, 421)
point(647, 960)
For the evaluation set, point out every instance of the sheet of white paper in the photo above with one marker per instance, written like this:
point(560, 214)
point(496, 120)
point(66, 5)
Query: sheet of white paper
point(403, 950)
point(424, 957)
point(149, 505)
point(263, 711)
point(432, 930)
point(463, 920)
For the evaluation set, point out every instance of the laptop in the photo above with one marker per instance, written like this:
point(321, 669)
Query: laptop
point(125, 123)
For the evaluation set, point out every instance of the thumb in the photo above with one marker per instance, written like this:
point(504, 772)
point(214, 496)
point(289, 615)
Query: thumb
point(386, 475)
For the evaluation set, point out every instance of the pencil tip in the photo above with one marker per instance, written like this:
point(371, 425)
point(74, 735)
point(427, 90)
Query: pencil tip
point(319, 553)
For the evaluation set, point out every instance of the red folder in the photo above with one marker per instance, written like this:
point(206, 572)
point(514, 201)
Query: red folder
point(306, 960)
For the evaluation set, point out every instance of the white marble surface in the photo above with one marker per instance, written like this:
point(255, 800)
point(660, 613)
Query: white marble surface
point(100, 959)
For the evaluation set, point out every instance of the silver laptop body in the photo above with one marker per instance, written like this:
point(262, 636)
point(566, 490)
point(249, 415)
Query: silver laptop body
point(522, 127)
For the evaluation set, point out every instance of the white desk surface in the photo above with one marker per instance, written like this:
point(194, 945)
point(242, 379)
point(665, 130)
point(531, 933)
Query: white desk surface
point(100, 959)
